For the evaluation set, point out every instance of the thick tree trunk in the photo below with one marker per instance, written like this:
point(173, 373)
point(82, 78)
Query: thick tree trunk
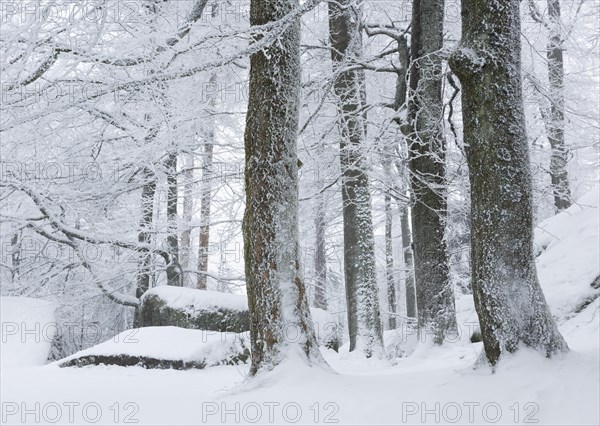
point(205, 198)
point(320, 255)
point(409, 275)
point(280, 321)
point(364, 319)
point(555, 122)
point(510, 304)
point(435, 296)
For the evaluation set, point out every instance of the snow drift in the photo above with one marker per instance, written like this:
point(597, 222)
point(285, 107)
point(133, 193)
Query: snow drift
point(567, 247)
point(28, 331)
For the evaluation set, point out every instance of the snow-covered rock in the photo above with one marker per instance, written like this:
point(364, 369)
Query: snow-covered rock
point(194, 309)
point(211, 310)
point(28, 331)
point(166, 347)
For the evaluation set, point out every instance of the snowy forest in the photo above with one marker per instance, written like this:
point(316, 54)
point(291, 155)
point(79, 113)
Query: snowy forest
point(300, 212)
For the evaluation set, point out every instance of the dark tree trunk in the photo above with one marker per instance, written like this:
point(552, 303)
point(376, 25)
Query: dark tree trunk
point(510, 304)
point(364, 319)
point(145, 234)
point(320, 255)
point(389, 261)
point(555, 122)
point(435, 296)
point(277, 297)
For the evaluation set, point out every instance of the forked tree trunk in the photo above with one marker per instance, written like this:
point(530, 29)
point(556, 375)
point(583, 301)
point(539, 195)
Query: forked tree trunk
point(427, 158)
point(364, 318)
point(510, 304)
point(280, 321)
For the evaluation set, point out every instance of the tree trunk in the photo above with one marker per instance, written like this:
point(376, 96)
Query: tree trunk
point(188, 211)
point(206, 191)
point(364, 319)
point(555, 122)
point(426, 151)
point(205, 198)
point(389, 262)
point(510, 304)
point(145, 234)
point(174, 274)
point(389, 244)
point(320, 255)
point(280, 321)
point(409, 276)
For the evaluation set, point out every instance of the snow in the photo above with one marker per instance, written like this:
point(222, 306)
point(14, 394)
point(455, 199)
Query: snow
point(569, 262)
point(171, 343)
point(190, 299)
point(28, 328)
point(424, 383)
point(557, 391)
point(326, 327)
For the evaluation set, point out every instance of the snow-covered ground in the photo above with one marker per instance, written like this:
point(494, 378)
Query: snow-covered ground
point(432, 385)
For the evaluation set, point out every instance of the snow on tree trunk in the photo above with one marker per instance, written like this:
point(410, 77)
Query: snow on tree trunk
point(320, 255)
point(280, 321)
point(555, 122)
point(205, 198)
point(206, 194)
point(145, 233)
point(427, 162)
point(174, 273)
point(389, 247)
point(510, 304)
point(409, 276)
point(188, 211)
point(364, 318)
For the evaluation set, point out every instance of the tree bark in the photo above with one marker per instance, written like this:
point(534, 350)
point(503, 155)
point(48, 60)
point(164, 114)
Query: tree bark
point(320, 255)
point(205, 198)
point(389, 262)
point(206, 191)
point(174, 273)
point(407, 251)
point(510, 304)
point(364, 318)
point(280, 321)
point(555, 122)
point(188, 211)
point(145, 233)
point(426, 153)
